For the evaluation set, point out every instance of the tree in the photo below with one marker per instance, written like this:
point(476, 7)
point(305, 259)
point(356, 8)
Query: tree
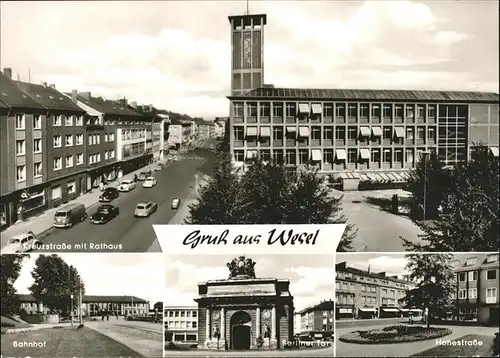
point(468, 220)
point(10, 270)
point(429, 179)
point(158, 306)
point(54, 281)
point(435, 283)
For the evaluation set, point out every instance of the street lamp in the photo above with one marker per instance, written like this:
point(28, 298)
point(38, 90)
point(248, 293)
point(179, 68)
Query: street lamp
point(424, 153)
point(71, 312)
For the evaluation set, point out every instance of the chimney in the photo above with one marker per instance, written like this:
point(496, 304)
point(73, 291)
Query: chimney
point(7, 72)
point(123, 101)
point(368, 269)
point(74, 96)
point(139, 107)
point(53, 86)
point(133, 104)
point(44, 84)
point(151, 108)
point(85, 95)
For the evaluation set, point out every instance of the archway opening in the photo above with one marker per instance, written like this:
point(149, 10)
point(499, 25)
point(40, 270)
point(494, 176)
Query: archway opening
point(241, 326)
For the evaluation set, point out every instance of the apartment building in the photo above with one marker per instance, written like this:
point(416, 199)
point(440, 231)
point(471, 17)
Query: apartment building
point(317, 318)
point(366, 294)
point(202, 128)
point(477, 287)
point(361, 136)
point(175, 134)
point(189, 129)
point(220, 126)
point(181, 323)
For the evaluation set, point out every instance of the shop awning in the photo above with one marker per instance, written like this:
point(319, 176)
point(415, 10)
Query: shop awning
point(251, 131)
point(494, 151)
point(364, 131)
point(399, 132)
point(265, 131)
point(340, 154)
point(390, 309)
point(291, 130)
point(251, 154)
point(316, 108)
point(316, 155)
point(303, 108)
point(364, 153)
point(377, 131)
point(367, 309)
point(303, 132)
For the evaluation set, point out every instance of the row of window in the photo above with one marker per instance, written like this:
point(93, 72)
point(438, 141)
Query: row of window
point(21, 146)
point(471, 293)
point(21, 172)
point(182, 314)
point(351, 155)
point(128, 134)
point(68, 140)
point(472, 275)
point(357, 110)
point(57, 162)
point(181, 324)
point(68, 121)
point(470, 261)
point(337, 132)
point(94, 139)
point(366, 288)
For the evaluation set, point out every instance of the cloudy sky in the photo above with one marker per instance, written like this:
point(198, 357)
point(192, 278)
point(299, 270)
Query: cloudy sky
point(176, 55)
point(110, 274)
point(311, 276)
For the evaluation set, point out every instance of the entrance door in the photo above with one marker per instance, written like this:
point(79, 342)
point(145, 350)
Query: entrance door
point(241, 337)
point(494, 312)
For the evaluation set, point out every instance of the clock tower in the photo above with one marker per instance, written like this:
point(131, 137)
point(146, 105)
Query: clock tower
point(247, 57)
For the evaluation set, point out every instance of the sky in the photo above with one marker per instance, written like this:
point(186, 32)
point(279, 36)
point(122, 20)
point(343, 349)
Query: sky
point(311, 276)
point(176, 54)
point(129, 274)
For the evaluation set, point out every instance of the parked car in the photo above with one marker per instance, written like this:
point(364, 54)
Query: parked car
point(24, 242)
point(145, 209)
point(70, 214)
point(126, 185)
point(109, 194)
point(104, 214)
point(143, 175)
point(149, 182)
point(175, 203)
point(158, 167)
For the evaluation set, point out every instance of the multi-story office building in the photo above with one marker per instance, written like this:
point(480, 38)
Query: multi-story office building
point(181, 323)
point(365, 294)
point(220, 128)
point(374, 135)
point(477, 287)
point(317, 318)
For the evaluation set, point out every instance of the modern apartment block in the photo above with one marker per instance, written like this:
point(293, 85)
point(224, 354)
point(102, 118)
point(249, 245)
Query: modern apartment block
point(477, 287)
point(317, 318)
point(365, 294)
point(374, 135)
point(181, 323)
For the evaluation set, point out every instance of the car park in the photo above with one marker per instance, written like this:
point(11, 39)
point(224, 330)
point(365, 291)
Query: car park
point(176, 202)
point(149, 182)
point(20, 243)
point(104, 214)
point(145, 209)
point(126, 185)
point(69, 215)
point(109, 195)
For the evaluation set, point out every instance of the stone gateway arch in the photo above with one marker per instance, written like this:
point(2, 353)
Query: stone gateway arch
point(244, 312)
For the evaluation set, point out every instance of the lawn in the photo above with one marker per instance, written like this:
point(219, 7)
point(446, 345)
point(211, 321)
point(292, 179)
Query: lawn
point(484, 350)
point(394, 334)
point(66, 342)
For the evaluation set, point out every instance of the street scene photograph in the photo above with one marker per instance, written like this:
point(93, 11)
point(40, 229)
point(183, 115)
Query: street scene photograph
point(417, 304)
point(74, 305)
point(391, 128)
point(257, 305)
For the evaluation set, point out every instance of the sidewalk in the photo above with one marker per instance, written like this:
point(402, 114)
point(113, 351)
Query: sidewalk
point(43, 222)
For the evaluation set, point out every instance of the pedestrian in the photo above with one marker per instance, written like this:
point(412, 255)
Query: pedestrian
point(107, 317)
point(102, 318)
point(101, 186)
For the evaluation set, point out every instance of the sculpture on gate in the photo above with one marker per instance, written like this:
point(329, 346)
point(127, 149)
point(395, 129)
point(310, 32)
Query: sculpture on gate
point(241, 268)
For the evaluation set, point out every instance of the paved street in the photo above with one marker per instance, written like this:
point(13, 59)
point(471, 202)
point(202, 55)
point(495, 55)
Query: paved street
point(136, 234)
point(398, 350)
point(143, 337)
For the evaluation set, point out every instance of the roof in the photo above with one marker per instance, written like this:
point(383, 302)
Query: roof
point(49, 97)
point(323, 306)
point(480, 264)
point(175, 121)
point(342, 267)
point(107, 106)
point(369, 95)
point(90, 298)
point(200, 121)
point(13, 97)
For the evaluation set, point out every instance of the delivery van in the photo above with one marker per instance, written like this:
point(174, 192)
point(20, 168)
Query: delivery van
point(70, 214)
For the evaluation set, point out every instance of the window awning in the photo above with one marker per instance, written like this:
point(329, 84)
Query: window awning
point(364, 131)
point(494, 151)
point(251, 131)
point(364, 153)
point(303, 108)
point(316, 108)
point(316, 155)
point(303, 132)
point(251, 154)
point(399, 132)
point(377, 131)
point(367, 309)
point(291, 129)
point(390, 309)
point(340, 154)
point(265, 131)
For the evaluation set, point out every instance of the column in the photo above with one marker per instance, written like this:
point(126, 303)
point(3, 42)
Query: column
point(273, 323)
point(207, 328)
point(257, 322)
point(222, 323)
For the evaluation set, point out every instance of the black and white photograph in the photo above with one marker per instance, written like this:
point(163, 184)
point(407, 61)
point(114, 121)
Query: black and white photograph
point(417, 304)
point(74, 305)
point(258, 305)
point(382, 115)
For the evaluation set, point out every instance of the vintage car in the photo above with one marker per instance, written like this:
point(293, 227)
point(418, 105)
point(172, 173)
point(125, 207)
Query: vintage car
point(20, 243)
point(145, 209)
point(104, 214)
